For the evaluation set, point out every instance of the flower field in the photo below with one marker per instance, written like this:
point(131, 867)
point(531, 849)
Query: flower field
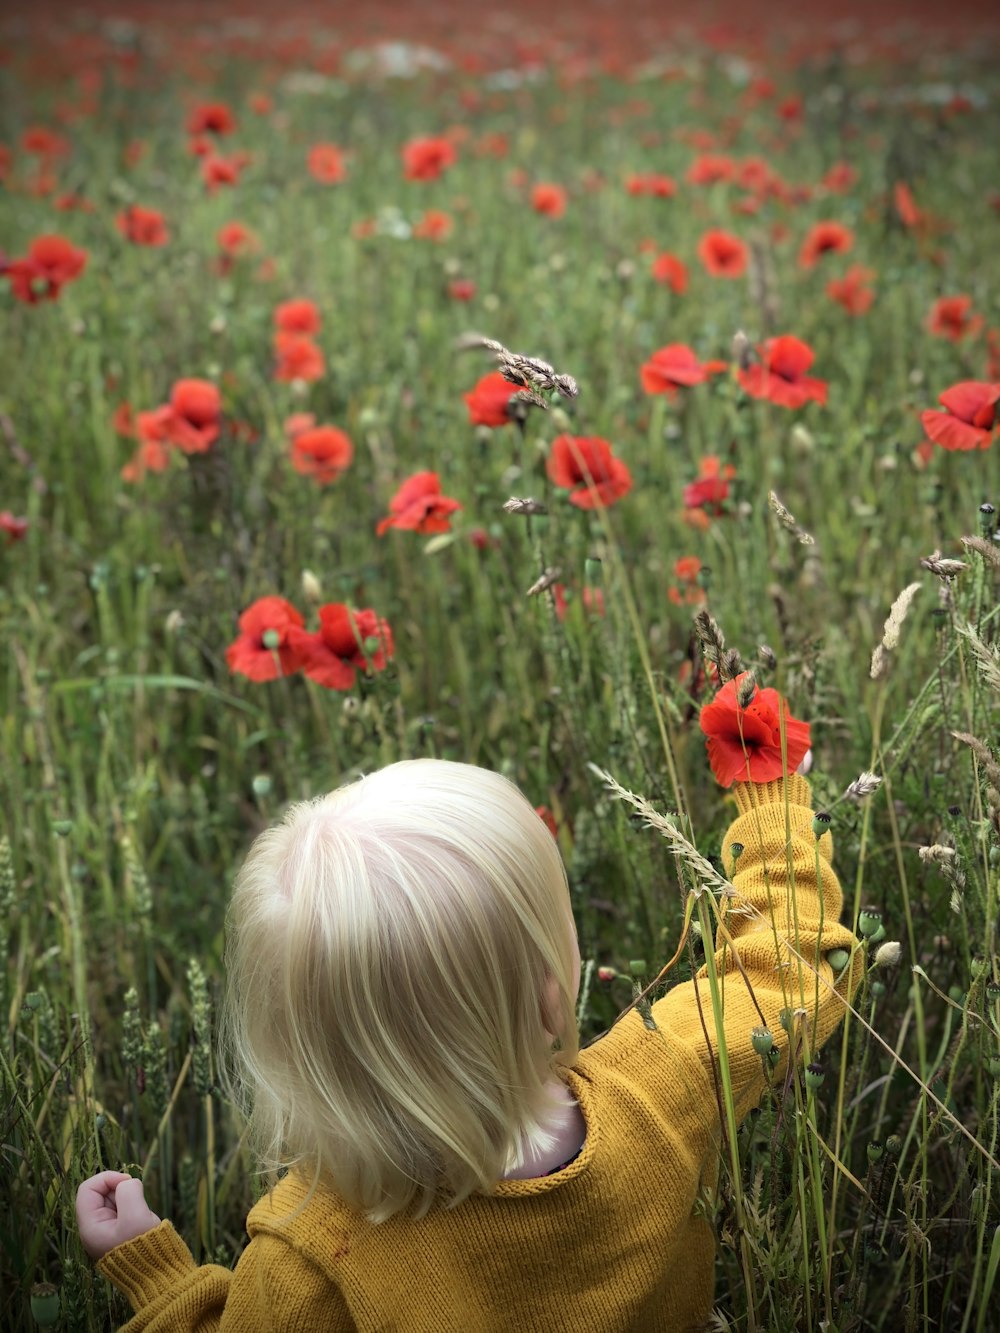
point(383, 385)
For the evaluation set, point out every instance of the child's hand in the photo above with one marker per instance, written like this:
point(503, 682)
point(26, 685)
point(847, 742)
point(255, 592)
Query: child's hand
point(111, 1209)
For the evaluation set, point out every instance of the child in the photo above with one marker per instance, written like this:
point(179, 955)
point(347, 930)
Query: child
point(401, 954)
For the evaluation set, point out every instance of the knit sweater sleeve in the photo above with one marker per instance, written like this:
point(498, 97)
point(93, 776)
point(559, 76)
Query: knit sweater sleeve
point(273, 1288)
point(781, 927)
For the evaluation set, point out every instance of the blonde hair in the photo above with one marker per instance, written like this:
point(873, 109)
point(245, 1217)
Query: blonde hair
point(387, 950)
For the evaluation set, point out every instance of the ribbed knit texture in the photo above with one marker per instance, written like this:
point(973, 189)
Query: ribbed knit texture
point(609, 1244)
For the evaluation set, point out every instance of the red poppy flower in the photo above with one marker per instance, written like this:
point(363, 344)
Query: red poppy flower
point(321, 452)
point(261, 104)
point(707, 493)
point(970, 419)
point(549, 199)
point(851, 291)
point(462, 289)
point(236, 239)
point(906, 206)
point(548, 819)
point(347, 642)
point(724, 255)
point(744, 744)
point(586, 467)
point(709, 169)
point(297, 423)
point(668, 269)
point(298, 316)
point(433, 226)
point(424, 159)
point(135, 150)
point(143, 226)
point(652, 183)
point(152, 455)
point(51, 262)
point(74, 203)
point(825, 238)
point(488, 400)
point(840, 178)
point(196, 415)
point(13, 528)
point(781, 377)
point(216, 171)
point(688, 592)
point(950, 317)
point(264, 649)
point(326, 164)
point(419, 506)
point(592, 600)
point(123, 422)
point(675, 367)
point(211, 118)
point(298, 357)
point(46, 143)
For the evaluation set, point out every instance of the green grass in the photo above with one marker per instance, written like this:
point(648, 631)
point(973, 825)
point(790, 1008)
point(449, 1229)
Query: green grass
point(136, 769)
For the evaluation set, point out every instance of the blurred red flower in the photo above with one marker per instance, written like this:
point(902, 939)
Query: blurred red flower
point(419, 506)
point(823, 239)
point(707, 493)
point(434, 226)
point(951, 317)
point(211, 118)
point(592, 599)
point(196, 419)
point(586, 466)
point(462, 289)
point(688, 592)
point(851, 290)
point(143, 226)
point(298, 357)
point(840, 178)
point(549, 199)
point(326, 163)
point(675, 367)
point(321, 452)
point(264, 650)
point(488, 399)
point(709, 169)
point(347, 642)
point(744, 744)
point(13, 528)
point(424, 159)
point(216, 171)
point(651, 183)
point(44, 143)
point(723, 255)
point(781, 377)
point(548, 819)
point(970, 419)
point(298, 316)
point(236, 239)
point(51, 262)
point(668, 269)
point(260, 104)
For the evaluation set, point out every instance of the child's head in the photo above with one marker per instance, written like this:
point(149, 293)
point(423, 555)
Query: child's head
point(399, 953)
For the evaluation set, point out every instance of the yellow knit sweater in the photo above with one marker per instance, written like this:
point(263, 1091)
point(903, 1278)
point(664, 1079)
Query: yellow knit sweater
point(613, 1243)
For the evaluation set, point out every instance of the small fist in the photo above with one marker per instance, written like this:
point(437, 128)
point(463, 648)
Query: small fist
point(111, 1209)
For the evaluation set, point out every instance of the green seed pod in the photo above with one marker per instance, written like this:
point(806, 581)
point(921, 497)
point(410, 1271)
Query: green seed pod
point(762, 1040)
point(894, 1145)
point(821, 823)
point(593, 571)
point(637, 967)
point(372, 645)
point(34, 1000)
point(62, 827)
point(787, 1019)
point(838, 959)
point(875, 1150)
point(774, 1055)
point(261, 785)
point(736, 850)
point(271, 639)
point(869, 921)
point(815, 1074)
point(879, 935)
point(877, 989)
point(993, 1065)
point(992, 992)
point(45, 1304)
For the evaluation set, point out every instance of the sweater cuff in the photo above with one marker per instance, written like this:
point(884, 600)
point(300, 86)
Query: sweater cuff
point(750, 795)
point(148, 1266)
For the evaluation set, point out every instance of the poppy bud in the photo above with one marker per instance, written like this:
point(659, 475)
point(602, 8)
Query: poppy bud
point(593, 570)
point(33, 1000)
point(62, 827)
point(888, 954)
point(815, 1074)
point(877, 989)
point(762, 1041)
point(311, 590)
point(637, 967)
point(787, 1019)
point(606, 974)
point(838, 959)
point(261, 785)
point(869, 921)
point(821, 823)
point(45, 1304)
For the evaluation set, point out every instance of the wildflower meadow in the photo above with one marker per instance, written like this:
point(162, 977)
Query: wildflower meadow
point(503, 386)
